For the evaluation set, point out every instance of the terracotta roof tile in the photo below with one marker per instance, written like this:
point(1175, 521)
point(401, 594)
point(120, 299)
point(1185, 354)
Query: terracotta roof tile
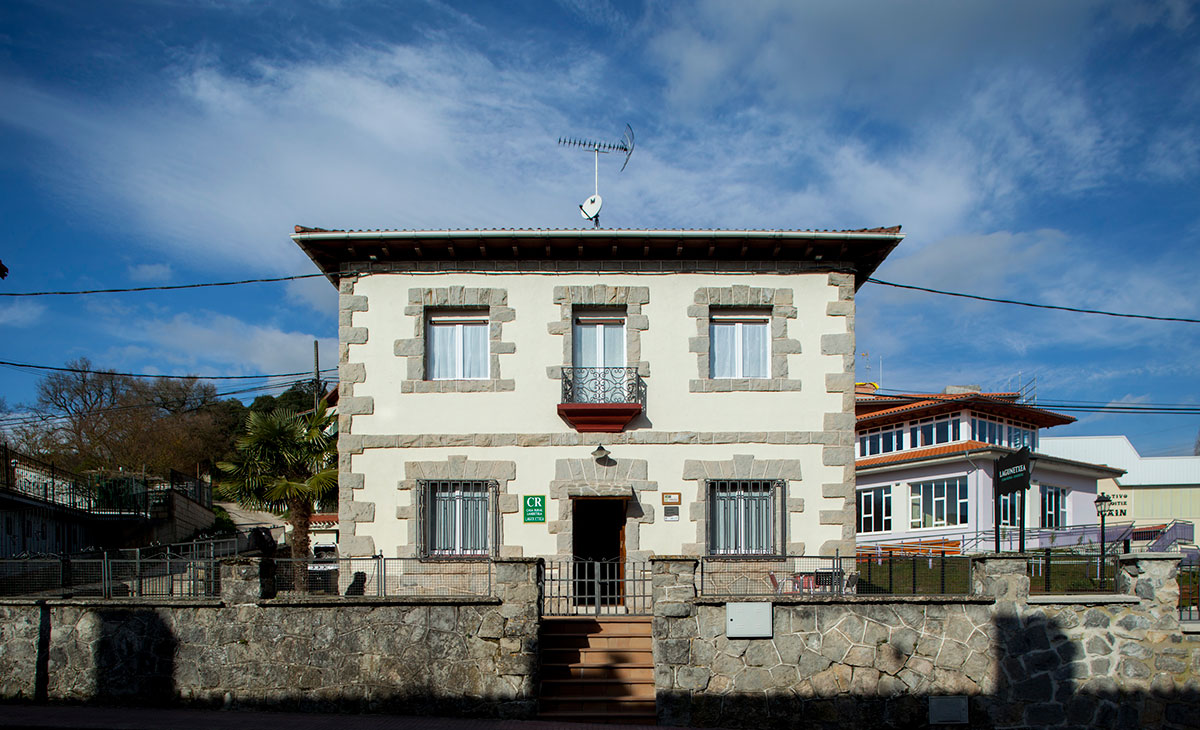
point(959, 447)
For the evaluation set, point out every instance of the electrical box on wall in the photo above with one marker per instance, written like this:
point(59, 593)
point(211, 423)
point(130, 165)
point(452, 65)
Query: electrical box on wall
point(948, 710)
point(748, 620)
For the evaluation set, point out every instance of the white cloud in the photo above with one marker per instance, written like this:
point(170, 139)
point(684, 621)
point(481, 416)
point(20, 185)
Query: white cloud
point(150, 272)
point(21, 314)
point(318, 294)
point(210, 343)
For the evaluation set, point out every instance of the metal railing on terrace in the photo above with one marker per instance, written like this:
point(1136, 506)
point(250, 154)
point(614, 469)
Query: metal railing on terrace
point(1059, 572)
point(1085, 538)
point(1189, 592)
point(382, 577)
point(165, 577)
point(110, 495)
point(797, 576)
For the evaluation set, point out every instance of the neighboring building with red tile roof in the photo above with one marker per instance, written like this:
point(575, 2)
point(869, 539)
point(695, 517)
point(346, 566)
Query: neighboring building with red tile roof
point(925, 465)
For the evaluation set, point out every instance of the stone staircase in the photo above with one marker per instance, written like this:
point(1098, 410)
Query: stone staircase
point(597, 669)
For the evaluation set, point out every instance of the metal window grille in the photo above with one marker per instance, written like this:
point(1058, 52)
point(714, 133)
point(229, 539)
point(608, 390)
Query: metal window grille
point(743, 516)
point(458, 518)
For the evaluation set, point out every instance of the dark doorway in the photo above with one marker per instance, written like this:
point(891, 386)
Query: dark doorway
point(598, 529)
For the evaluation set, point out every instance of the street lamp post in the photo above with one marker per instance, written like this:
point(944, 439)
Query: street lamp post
point(1102, 502)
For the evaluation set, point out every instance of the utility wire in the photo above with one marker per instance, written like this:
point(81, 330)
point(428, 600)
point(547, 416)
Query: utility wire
point(168, 287)
point(1162, 409)
point(873, 280)
point(30, 418)
point(167, 377)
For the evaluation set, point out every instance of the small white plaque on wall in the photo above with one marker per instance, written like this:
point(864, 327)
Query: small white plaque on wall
point(948, 710)
point(748, 620)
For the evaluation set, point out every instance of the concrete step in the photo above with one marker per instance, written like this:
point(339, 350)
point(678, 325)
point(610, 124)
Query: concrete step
point(567, 688)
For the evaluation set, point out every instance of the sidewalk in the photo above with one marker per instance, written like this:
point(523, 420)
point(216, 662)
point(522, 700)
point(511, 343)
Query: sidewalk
point(46, 717)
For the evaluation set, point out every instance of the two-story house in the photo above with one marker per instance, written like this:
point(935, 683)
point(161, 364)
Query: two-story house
point(926, 469)
point(596, 393)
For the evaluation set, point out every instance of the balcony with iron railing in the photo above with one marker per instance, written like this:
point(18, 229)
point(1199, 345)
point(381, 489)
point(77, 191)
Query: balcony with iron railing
point(601, 400)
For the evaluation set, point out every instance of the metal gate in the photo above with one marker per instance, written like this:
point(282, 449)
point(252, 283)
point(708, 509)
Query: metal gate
point(597, 588)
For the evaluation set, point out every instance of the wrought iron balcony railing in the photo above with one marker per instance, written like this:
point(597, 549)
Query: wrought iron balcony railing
point(603, 385)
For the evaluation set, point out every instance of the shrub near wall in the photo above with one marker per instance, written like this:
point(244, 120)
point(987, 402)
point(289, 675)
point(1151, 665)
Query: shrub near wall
point(854, 662)
point(453, 657)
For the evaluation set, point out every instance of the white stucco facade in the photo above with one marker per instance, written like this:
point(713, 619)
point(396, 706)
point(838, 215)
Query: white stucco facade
point(401, 429)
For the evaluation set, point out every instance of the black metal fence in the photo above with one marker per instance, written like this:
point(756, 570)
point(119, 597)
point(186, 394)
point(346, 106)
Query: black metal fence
point(799, 576)
point(165, 577)
point(603, 385)
point(597, 588)
point(1189, 592)
point(1061, 572)
point(381, 577)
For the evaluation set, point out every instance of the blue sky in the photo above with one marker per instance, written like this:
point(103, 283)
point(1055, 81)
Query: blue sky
point(1031, 150)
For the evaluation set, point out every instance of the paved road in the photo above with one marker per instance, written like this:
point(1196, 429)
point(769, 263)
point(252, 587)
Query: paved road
point(35, 717)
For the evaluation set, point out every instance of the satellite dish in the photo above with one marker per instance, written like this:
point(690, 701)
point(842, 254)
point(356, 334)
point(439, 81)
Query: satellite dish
point(591, 207)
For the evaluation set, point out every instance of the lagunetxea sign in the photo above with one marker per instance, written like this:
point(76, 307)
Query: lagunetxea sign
point(1012, 472)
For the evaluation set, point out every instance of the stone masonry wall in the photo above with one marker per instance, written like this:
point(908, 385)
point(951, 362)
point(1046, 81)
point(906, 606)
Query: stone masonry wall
point(1116, 661)
point(463, 657)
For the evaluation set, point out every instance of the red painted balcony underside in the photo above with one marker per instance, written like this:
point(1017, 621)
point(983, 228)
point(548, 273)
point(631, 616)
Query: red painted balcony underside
point(599, 417)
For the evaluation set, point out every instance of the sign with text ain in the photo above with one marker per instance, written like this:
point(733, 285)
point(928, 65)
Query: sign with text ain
point(1012, 472)
point(535, 508)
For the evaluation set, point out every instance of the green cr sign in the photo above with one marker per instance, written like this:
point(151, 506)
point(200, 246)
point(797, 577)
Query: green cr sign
point(535, 508)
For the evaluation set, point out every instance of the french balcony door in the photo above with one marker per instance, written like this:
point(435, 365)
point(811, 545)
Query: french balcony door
point(599, 343)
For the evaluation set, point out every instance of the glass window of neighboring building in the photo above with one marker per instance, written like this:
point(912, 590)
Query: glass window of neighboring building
point(939, 503)
point(874, 510)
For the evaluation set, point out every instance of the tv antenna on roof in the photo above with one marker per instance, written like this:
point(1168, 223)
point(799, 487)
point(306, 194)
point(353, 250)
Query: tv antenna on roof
point(590, 208)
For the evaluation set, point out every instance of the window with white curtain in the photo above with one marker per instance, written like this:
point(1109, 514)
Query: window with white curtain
point(598, 341)
point(738, 344)
point(457, 346)
point(456, 516)
point(741, 516)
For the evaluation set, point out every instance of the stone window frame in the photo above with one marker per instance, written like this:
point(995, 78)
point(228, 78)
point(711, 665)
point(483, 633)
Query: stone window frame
point(447, 299)
point(775, 301)
point(600, 296)
point(742, 466)
point(458, 468)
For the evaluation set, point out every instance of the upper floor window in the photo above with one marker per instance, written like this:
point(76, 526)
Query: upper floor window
point(1003, 432)
point(1054, 507)
point(598, 341)
point(739, 344)
point(931, 431)
point(456, 517)
point(874, 510)
point(883, 440)
point(458, 346)
point(939, 503)
point(742, 516)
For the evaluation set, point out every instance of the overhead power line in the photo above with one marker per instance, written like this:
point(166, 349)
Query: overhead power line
point(168, 287)
point(153, 375)
point(1160, 409)
point(1034, 305)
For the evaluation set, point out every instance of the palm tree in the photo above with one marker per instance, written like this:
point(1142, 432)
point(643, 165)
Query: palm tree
point(285, 463)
